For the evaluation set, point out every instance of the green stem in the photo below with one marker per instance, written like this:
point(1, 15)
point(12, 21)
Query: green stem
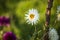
point(35, 32)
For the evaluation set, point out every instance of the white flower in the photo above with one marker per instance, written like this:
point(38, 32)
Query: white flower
point(53, 35)
point(32, 17)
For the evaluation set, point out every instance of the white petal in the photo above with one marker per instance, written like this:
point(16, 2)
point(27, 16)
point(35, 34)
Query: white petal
point(26, 14)
point(32, 23)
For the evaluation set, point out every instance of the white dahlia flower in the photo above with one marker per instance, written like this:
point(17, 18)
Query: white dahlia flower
point(53, 35)
point(32, 16)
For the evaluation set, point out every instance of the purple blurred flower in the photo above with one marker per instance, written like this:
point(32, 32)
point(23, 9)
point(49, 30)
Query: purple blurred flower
point(9, 36)
point(4, 20)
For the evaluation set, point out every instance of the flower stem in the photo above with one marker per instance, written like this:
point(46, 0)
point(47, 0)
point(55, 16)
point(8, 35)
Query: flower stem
point(35, 32)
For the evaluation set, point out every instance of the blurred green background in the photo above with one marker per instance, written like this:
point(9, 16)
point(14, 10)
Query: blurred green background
point(16, 10)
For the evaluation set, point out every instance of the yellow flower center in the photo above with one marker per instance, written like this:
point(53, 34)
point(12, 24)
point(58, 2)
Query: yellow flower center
point(32, 16)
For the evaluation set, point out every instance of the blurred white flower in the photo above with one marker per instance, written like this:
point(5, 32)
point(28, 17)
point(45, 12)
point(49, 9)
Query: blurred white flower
point(53, 35)
point(32, 17)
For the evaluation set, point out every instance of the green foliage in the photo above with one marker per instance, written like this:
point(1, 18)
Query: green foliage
point(17, 10)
